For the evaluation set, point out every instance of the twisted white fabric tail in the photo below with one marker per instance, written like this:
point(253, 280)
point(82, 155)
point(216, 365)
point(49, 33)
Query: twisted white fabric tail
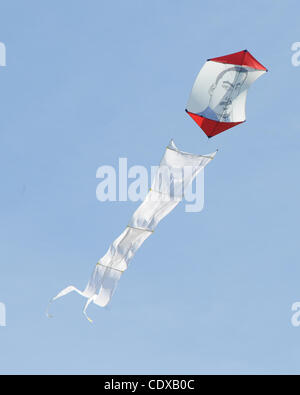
point(176, 171)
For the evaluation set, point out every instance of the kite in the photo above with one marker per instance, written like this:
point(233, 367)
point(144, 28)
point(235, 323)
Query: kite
point(175, 173)
point(218, 98)
point(217, 102)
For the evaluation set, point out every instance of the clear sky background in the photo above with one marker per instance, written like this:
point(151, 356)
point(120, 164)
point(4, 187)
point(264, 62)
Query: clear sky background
point(88, 82)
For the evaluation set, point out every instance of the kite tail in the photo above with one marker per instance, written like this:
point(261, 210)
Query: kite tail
point(86, 306)
point(62, 293)
point(99, 289)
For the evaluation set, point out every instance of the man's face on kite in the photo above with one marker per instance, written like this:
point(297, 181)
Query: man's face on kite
point(225, 90)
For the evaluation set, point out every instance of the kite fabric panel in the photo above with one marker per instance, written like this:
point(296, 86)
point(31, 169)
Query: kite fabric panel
point(176, 171)
point(218, 98)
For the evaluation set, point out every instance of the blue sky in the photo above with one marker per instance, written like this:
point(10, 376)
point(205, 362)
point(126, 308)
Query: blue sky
point(88, 82)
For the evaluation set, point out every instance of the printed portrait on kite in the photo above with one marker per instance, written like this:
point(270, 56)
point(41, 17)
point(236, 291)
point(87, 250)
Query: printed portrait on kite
point(222, 92)
point(218, 98)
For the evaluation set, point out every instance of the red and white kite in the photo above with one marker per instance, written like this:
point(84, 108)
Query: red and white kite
point(218, 98)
